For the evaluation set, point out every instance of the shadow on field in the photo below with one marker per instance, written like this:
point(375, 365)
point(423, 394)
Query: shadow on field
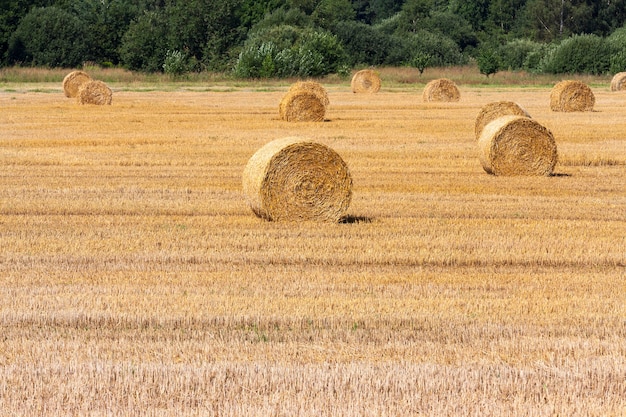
point(355, 219)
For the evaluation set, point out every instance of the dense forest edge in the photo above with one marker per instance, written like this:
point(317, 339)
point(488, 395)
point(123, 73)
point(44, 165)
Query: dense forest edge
point(250, 39)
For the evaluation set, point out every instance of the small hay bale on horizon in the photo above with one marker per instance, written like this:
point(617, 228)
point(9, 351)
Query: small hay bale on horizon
point(302, 105)
point(294, 179)
point(571, 96)
point(491, 111)
point(441, 89)
point(73, 81)
point(365, 81)
point(95, 92)
point(618, 82)
point(516, 145)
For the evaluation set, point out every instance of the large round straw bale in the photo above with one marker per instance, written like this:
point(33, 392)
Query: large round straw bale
point(293, 179)
point(517, 145)
point(95, 92)
point(441, 89)
point(618, 82)
point(365, 81)
point(300, 105)
point(570, 96)
point(73, 81)
point(314, 87)
point(494, 110)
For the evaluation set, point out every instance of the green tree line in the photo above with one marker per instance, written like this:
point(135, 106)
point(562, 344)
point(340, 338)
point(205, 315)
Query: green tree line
point(279, 38)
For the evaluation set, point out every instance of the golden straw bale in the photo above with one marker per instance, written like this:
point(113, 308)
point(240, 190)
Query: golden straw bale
point(314, 87)
point(618, 82)
point(73, 81)
point(517, 145)
point(441, 89)
point(570, 96)
point(293, 179)
point(300, 105)
point(492, 111)
point(365, 81)
point(95, 92)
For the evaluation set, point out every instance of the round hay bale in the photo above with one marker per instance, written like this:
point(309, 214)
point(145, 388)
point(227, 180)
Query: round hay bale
point(441, 89)
point(365, 81)
point(292, 179)
point(314, 87)
point(73, 81)
point(517, 145)
point(491, 111)
point(618, 82)
point(570, 96)
point(95, 92)
point(300, 105)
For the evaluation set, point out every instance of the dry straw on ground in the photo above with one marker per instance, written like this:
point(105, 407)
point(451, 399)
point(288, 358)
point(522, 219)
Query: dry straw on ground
point(95, 92)
point(618, 82)
point(441, 89)
point(365, 81)
point(517, 145)
point(300, 105)
point(73, 81)
point(571, 96)
point(293, 179)
point(491, 111)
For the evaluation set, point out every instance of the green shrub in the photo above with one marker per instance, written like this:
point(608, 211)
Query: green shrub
point(49, 36)
point(144, 43)
point(514, 54)
point(588, 54)
point(364, 44)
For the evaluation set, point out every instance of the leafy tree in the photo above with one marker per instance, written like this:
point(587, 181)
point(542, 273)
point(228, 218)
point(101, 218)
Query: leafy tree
point(48, 36)
point(488, 61)
point(363, 43)
point(514, 54)
point(413, 14)
point(144, 44)
point(11, 12)
point(589, 54)
point(329, 12)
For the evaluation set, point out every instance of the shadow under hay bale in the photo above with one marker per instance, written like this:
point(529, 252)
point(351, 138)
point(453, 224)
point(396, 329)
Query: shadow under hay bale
point(302, 105)
point(571, 96)
point(293, 179)
point(365, 81)
point(95, 92)
point(618, 82)
point(442, 89)
point(491, 111)
point(517, 145)
point(73, 81)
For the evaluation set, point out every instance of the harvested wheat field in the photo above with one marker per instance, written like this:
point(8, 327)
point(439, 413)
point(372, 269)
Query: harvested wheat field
point(136, 281)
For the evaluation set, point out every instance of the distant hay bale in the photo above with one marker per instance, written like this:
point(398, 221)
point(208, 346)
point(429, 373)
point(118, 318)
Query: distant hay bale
point(494, 110)
point(302, 105)
point(293, 179)
point(441, 89)
point(365, 81)
point(618, 83)
point(571, 96)
point(73, 81)
point(517, 145)
point(95, 92)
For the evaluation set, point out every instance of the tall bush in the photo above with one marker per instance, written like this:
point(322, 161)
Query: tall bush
point(49, 36)
point(588, 54)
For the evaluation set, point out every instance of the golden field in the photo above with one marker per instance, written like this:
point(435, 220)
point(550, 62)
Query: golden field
point(135, 280)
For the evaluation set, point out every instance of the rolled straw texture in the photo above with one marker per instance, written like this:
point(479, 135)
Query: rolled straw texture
point(292, 179)
point(313, 87)
point(441, 89)
point(491, 111)
point(301, 105)
point(571, 96)
point(95, 92)
point(365, 81)
point(517, 145)
point(618, 82)
point(73, 81)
